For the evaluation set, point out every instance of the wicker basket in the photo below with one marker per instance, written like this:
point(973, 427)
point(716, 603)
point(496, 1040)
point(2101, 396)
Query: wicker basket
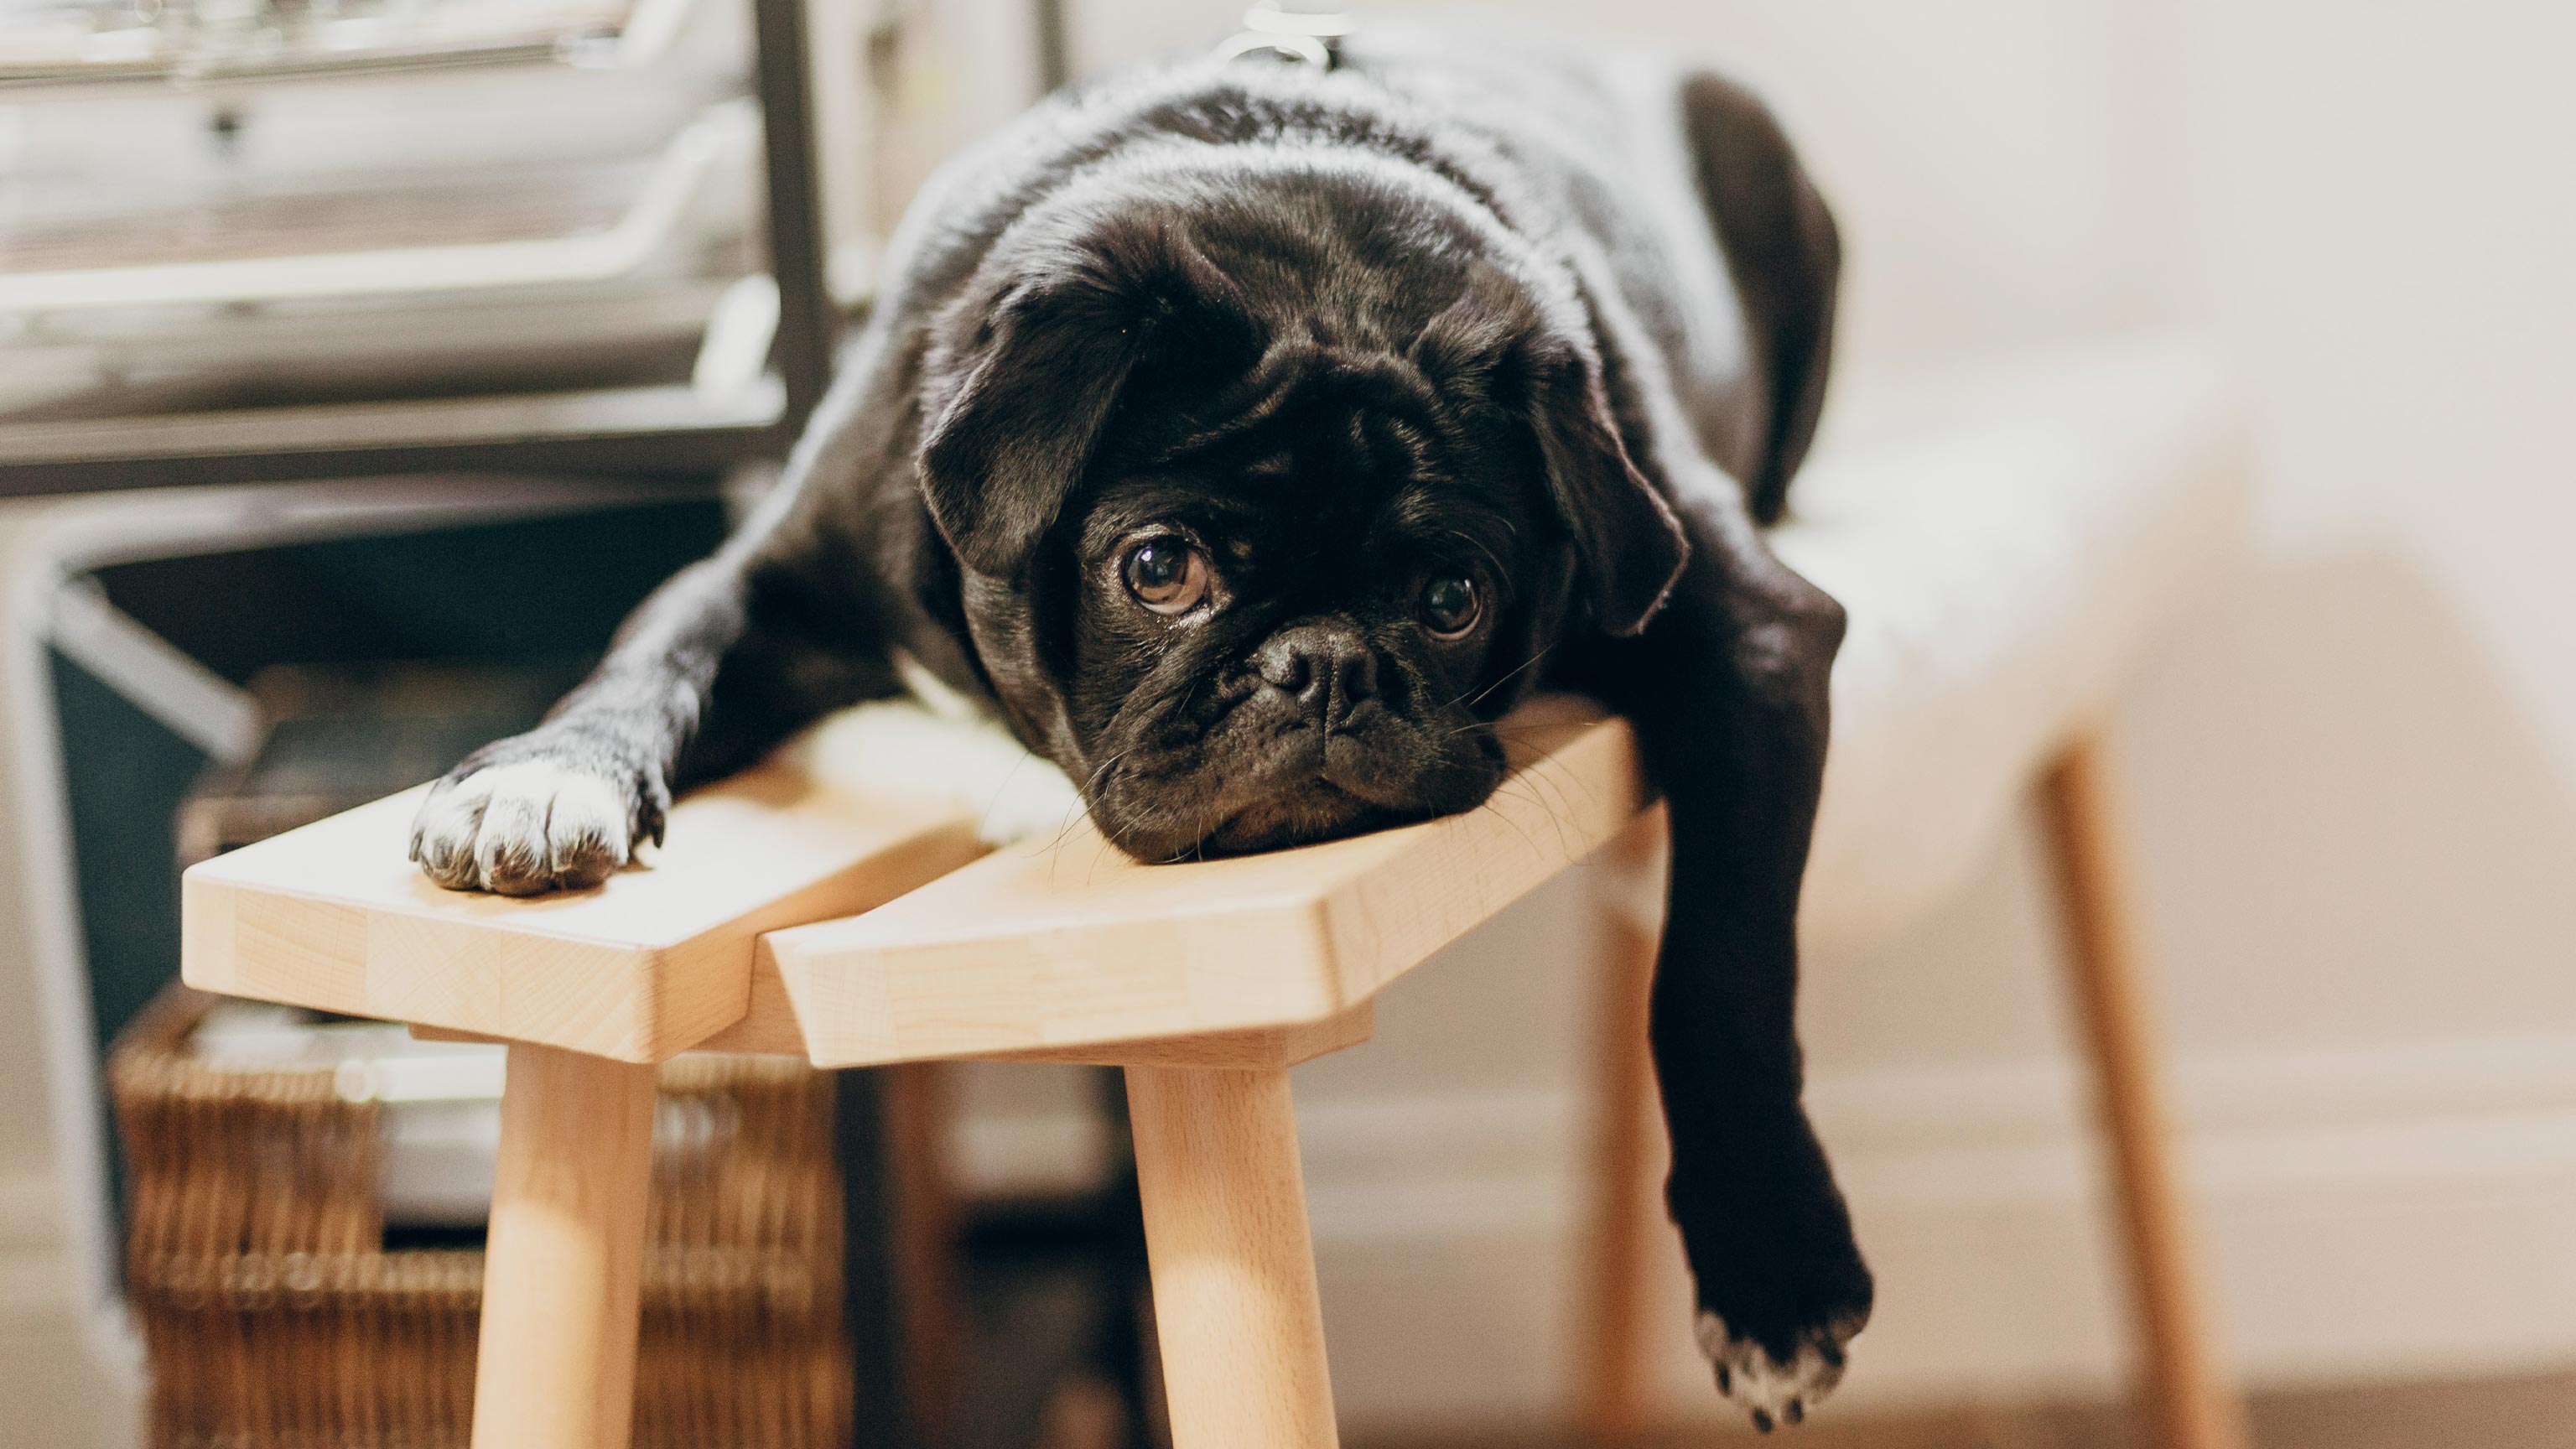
point(276, 1318)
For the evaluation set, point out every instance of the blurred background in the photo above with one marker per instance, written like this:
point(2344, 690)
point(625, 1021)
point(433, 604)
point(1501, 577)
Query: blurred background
point(529, 271)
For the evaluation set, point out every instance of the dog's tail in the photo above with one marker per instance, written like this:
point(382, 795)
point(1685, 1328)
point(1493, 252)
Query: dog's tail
point(1786, 257)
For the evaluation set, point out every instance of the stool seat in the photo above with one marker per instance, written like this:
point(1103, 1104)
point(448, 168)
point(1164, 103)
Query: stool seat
point(334, 916)
point(1062, 949)
point(1056, 948)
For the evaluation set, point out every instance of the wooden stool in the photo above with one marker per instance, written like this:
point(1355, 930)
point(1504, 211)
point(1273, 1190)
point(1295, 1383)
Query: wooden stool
point(1206, 982)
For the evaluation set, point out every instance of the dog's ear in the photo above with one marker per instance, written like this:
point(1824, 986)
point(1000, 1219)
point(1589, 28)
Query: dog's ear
point(1785, 255)
point(1626, 538)
point(1026, 400)
point(1014, 410)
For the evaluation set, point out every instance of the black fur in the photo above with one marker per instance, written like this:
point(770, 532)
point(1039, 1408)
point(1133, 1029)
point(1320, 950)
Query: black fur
point(1463, 311)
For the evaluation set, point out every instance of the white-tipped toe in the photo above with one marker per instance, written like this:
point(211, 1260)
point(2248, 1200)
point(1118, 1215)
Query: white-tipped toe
point(1773, 1393)
point(524, 828)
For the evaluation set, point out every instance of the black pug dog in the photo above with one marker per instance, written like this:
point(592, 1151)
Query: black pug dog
point(1251, 437)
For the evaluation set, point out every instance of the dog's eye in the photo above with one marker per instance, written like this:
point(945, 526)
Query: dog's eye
point(1167, 575)
point(1449, 606)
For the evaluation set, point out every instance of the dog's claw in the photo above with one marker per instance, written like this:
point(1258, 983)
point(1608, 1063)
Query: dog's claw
point(1772, 1392)
point(525, 827)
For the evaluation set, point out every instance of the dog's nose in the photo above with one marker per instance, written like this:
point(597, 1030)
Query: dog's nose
point(1327, 668)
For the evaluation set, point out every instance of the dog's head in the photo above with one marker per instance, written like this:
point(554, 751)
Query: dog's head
point(1269, 490)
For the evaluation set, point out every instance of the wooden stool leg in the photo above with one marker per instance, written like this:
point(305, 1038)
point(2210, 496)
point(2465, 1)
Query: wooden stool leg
point(1627, 880)
point(564, 1269)
point(2194, 1405)
point(1235, 1308)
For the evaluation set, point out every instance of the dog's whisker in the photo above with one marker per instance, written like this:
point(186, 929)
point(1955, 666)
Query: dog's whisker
point(1540, 653)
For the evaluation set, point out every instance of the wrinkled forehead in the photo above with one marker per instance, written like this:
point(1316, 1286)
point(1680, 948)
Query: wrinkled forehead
point(1333, 469)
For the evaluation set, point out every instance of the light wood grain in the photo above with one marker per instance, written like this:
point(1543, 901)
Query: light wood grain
point(1235, 1306)
point(564, 1268)
point(2193, 1404)
point(334, 916)
point(1052, 948)
point(1231, 1051)
point(1622, 1209)
point(1069, 945)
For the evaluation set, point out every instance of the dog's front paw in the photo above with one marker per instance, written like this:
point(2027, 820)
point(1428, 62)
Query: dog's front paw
point(521, 819)
point(1773, 1392)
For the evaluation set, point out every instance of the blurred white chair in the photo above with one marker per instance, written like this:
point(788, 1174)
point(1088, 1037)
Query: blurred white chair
point(2006, 537)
